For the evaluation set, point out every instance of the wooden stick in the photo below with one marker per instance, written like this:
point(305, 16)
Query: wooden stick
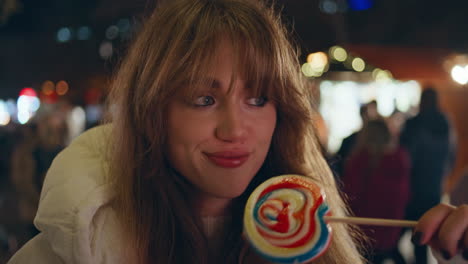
point(370, 221)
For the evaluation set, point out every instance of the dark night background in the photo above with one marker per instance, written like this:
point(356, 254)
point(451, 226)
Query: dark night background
point(411, 38)
point(30, 54)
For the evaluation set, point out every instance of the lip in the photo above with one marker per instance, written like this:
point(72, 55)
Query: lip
point(228, 159)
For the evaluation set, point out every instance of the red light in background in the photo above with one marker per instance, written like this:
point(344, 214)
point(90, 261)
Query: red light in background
point(28, 92)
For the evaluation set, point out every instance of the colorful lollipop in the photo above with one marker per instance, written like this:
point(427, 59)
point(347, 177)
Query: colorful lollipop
point(286, 220)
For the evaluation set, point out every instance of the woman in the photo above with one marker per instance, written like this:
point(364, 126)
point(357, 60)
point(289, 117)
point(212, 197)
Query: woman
point(376, 180)
point(208, 103)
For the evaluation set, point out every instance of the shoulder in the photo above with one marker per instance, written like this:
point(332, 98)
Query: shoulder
point(101, 243)
point(85, 159)
point(37, 251)
point(75, 207)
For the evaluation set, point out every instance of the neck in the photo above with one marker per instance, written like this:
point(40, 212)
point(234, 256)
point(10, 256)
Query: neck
point(213, 206)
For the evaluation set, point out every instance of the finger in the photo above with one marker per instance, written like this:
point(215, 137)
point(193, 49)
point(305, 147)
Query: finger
point(465, 246)
point(452, 231)
point(431, 221)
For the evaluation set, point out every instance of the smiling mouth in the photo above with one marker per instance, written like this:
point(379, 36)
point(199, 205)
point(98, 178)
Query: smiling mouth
point(228, 159)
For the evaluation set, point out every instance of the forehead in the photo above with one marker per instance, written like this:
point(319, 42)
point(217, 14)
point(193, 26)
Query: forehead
point(224, 60)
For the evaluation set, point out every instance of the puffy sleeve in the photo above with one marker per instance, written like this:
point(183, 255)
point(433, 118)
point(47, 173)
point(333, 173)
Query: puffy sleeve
point(36, 251)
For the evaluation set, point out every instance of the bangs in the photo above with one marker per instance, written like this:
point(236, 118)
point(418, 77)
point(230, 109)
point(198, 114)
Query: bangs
point(254, 54)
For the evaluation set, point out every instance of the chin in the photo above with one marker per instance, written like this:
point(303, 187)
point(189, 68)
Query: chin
point(230, 193)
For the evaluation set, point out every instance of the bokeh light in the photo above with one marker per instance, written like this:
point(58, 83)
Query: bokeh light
point(11, 107)
point(62, 88)
point(318, 59)
point(28, 92)
point(310, 70)
point(360, 5)
point(338, 53)
point(106, 49)
point(460, 74)
point(382, 75)
point(328, 7)
point(4, 114)
point(317, 63)
point(112, 32)
point(64, 35)
point(48, 87)
point(27, 105)
point(358, 64)
point(341, 100)
point(307, 70)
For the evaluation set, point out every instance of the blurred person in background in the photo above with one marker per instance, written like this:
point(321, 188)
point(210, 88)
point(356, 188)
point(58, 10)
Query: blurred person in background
point(367, 112)
point(24, 178)
point(8, 204)
point(376, 181)
point(395, 123)
point(38, 144)
point(427, 138)
point(209, 103)
point(372, 110)
point(52, 138)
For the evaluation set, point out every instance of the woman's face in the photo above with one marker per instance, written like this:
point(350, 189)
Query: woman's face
point(219, 139)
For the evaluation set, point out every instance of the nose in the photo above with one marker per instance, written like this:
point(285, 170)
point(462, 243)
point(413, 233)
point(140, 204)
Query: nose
point(232, 124)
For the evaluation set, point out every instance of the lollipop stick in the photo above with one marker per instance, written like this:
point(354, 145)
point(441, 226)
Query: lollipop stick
point(370, 221)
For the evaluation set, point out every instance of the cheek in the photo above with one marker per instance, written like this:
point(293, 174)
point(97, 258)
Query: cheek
point(267, 125)
point(185, 132)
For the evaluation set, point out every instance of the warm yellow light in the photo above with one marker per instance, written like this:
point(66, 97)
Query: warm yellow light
point(389, 74)
point(338, 53)
point(381, 75)
point(48, 87)
point(307, 70)
point(358, 64)
point(317, 63)
point(375, 72)
point(318, 59)
point(62, 88)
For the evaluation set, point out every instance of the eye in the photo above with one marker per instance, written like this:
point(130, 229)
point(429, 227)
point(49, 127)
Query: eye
point(257, 101)
point(204, 101)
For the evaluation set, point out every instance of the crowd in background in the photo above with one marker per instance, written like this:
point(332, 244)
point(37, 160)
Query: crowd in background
point(27, 151)
point(396, 170)
point(392, 168)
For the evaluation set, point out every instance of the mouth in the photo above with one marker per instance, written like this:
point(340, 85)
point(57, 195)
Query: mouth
point(228, 159)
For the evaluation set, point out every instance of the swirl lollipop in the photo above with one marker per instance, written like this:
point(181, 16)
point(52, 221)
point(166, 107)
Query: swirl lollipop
point(284, 220)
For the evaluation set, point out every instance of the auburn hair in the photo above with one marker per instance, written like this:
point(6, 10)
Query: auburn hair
point(176, 44)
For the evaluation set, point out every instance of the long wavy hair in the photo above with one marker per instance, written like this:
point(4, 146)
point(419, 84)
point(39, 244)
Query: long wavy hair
point(177, 44)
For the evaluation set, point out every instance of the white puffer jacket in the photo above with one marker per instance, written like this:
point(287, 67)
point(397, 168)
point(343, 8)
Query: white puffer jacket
point(76, 221)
